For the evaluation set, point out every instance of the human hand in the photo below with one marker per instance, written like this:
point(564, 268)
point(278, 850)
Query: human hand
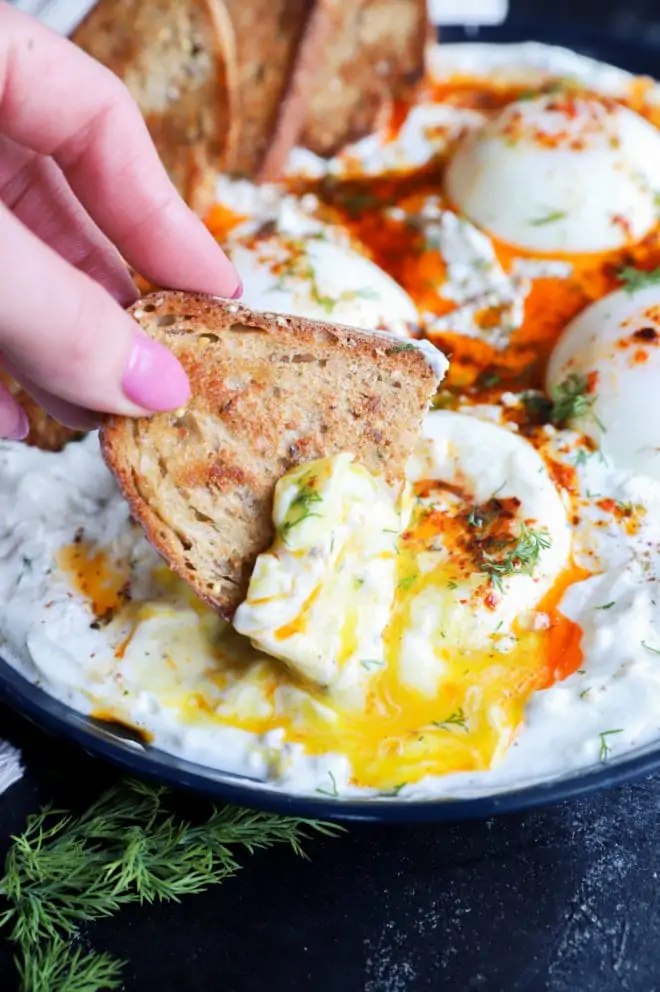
point(79, 175)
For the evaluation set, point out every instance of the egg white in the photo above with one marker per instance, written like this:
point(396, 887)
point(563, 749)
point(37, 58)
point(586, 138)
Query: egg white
point(560, 174)
point(601, 346)
point(310, 270)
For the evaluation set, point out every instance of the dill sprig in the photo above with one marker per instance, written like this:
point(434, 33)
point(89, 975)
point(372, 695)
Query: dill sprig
point(605, 748)
point(571, 399)
point(514, 555)
point(64, 872)
point(302, 504)
point(567, 401)
point(455, 719)
point(551, 217)
point(634, 279)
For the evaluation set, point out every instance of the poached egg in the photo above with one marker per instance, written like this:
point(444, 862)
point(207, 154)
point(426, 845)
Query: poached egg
point(560, 173)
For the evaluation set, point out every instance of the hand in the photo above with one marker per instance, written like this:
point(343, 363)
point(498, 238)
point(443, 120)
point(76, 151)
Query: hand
point(79, 175)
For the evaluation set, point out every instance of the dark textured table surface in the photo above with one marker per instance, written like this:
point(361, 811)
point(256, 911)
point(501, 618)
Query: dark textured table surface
point(564, 899)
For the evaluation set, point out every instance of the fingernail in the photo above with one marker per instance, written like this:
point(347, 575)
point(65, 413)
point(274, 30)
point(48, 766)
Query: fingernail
point(238, 292)
point(21, 428)
point(153, 378)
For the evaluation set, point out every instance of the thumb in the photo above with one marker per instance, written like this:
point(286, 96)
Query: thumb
point(63, 332)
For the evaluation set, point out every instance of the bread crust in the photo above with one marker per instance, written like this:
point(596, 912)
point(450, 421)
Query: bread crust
point(268, 392)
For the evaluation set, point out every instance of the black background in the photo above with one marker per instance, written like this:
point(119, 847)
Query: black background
point(563, 899)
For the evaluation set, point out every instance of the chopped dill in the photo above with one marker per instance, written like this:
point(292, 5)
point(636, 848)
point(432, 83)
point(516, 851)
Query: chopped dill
point(634, 279)
point(550, 218)
point(391, 793)
point(455, 719)
point(515, 555)
point(582, 457)
point(585, 693)
point(407, 346)
point(649, 648)
point(567, 401)
point(333, 790)
point(606, 606)
point(408, 581)
point(303, 502)
point(571, 399)
point(452, 585)
point(370, 664)
point(604, 746)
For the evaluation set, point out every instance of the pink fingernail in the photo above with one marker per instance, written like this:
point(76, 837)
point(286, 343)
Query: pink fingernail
point(238, 292)
point(153, 378)
point(21, 428)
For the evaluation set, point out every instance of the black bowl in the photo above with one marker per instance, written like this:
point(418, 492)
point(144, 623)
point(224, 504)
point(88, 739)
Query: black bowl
point(132, 756)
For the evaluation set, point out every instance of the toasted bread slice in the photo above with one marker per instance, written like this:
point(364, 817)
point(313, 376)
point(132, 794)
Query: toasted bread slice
point(279, 44)
point(178, 59)
point(45, 432)
point(375, 53)
point(268, 392)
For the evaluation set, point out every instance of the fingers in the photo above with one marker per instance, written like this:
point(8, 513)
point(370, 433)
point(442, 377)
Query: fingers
point(66, 413)
point(63, 333)
point(35, 190)
point(85, 119)
point(14, 424)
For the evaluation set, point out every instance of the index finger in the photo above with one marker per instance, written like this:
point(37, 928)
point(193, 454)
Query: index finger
point(60, 102)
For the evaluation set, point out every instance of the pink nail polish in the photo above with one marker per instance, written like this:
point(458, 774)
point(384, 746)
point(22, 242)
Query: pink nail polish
point(153, 378)
point(238, 292)
point(21, 428)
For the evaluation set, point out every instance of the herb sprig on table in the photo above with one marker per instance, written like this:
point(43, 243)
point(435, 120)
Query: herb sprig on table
point(129, 846)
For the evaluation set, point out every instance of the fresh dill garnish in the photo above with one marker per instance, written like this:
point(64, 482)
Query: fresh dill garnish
point(407, 346)
point(372, 663)
point(634, 279)
point(358, 583)
point(333, 790)
point(304, 501)
point(490, 379)
point(396, 790)
point(606, 606)
point(452, 585)
point(582, 457)
point(581, 671)
point(604, 746)
point(585, 693)
point(130, 846)
point(649, 648)
point(408, 581)
point(571, 399)
point(356, 203)
point(567, 401)
point(455, 719)
point(550, 218)
point(515, 555)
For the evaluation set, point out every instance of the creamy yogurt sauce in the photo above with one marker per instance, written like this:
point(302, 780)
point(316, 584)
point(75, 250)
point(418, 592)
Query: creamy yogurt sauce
point(91, 614)
point(50, 632)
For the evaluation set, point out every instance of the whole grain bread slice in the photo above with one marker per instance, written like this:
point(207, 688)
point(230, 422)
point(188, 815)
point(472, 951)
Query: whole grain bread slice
point(178, 59)
point(268, 392)
point(375, 54)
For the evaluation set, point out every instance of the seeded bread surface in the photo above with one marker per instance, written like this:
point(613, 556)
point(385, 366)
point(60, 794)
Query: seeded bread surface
point(268, 392)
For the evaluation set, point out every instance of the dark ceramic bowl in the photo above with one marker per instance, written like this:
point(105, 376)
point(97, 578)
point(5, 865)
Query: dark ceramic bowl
point(142, 760)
